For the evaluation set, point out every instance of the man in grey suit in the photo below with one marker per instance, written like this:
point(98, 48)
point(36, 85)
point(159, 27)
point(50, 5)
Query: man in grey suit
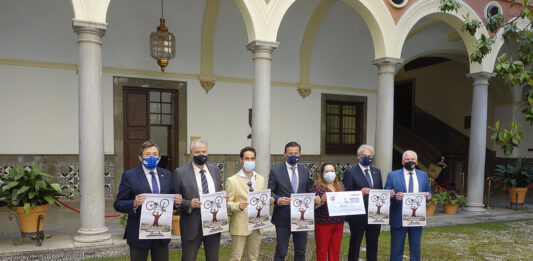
point(192, 180)
point(284, 180)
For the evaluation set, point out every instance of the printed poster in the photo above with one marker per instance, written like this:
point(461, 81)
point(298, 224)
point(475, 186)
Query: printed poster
point(214, 212)
point(414, 210)
point(345, 203)
point(156, 216)
point(302, 212)
point(378, 206)
point(258, 209)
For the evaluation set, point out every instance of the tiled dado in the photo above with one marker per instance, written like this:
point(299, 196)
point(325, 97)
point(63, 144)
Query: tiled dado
point(67, 175)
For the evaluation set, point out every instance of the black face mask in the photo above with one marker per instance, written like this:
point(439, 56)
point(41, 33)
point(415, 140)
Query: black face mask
point(200, 159)
point(410, 165)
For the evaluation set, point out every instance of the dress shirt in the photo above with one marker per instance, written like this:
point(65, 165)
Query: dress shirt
point(242, 174)
point(369, 172)
point(149, 177)
point(289, 170)
point(210, 182)
point(415, 180)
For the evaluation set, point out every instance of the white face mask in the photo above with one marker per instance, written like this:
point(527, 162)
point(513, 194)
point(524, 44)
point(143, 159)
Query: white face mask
point(329, 176)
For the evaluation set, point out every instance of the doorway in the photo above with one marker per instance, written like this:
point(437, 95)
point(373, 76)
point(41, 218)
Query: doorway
point(404, 102)
point(150, 114)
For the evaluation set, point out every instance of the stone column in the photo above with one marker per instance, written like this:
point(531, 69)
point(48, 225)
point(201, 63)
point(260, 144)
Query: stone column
point(478, 141)
point(262, 58)
point(385, 114)
point(91, 135)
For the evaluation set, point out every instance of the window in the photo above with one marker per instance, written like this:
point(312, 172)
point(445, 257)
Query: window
point(344, 126)
point(160, 108)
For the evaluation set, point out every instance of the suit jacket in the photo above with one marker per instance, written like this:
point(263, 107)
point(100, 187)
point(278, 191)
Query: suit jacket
point(396, 181)
point(133, 183)
point(238, 190)
point(280, 186)
point(354, 179)
point(185, 182)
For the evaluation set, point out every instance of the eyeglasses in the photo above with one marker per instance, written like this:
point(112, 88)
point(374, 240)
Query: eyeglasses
point(250, 186)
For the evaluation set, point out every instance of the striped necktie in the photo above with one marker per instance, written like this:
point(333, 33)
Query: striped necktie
point(205, 187)
point(368, 179)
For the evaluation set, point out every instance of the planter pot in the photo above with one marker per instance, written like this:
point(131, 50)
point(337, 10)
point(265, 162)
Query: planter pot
point(513, 195)
point(430, 210)
point(28, 224)
point(451, 209)
point(176, 225)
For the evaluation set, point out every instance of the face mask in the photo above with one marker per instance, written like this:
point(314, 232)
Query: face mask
point(410, 165)
point(293, 159)
point(365, 161)
point(329, 176)
point(200, 159)
point(249, 166)
point(151, 162)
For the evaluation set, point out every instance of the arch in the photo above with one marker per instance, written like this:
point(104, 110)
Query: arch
point(370, 13)
point(90, 10)
point(421, 9)
point(262, 19)
point(455, 55)
point(208, 38)
point(490, 60)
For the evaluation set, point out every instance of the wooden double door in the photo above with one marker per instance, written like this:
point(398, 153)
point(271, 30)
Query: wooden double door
point(150, 114)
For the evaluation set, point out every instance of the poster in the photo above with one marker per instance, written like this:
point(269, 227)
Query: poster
point(378, 206)
point(258, 209)
point(156, 216)
point(345, 203)
point(414, 210)
point(214, 212)
point(302, 212)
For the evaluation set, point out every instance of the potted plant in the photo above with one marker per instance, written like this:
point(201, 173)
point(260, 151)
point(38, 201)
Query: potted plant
point(28, 191)
point(514, 179)
point(438, 198)
point(452, 202)
point(176, 223)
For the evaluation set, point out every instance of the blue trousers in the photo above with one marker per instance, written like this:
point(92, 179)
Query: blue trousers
point(299, 239)
point(398, 241)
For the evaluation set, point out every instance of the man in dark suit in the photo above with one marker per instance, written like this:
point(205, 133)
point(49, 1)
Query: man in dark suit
point(410, 180)
point(363, 177)
point(191, 181)
point(147, 178)
point(284, 180)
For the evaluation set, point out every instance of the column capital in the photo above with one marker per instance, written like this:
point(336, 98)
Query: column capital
point(387, 61)
point(81, 26)
point(481, 75)
point(259, 45)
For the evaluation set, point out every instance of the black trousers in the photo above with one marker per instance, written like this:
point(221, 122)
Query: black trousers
point(158, 251)
point(372, 234)
point(299, 239)
point(190, 247)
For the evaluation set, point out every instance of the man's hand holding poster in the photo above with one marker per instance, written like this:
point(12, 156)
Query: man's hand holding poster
point(214, 212)
point(414, 210)
point(156, 216)
point(258, 209)
point(302, 212)
point(378, 206)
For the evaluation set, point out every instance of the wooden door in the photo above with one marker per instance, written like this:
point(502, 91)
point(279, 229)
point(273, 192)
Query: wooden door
point(136, 124)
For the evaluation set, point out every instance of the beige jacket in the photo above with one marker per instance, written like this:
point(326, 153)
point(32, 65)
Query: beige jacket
point(237, 191)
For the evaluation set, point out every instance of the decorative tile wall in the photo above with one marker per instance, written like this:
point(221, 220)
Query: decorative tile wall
point(222, 167)
point(6, 166)
point(67, 174)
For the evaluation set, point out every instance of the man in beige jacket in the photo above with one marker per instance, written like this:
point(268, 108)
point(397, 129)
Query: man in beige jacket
point(237, 187)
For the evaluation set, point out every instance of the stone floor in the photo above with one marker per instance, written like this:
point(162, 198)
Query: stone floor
point(62, 223)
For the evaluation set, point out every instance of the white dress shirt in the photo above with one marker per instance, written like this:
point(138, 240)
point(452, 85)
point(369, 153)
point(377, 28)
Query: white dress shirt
point(242, 174)
point(369, 172)
point(210, 182)
point(289, 170)
point(415, 180)
point(149, 177)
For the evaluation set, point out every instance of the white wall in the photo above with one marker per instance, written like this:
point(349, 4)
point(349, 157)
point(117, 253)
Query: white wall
point(505, 113)
point(431, 38)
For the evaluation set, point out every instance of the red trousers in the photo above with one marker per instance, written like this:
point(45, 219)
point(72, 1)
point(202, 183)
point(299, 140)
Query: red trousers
point(328, 239)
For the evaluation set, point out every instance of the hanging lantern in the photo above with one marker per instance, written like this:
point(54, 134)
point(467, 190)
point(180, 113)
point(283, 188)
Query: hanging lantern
point(162, 43)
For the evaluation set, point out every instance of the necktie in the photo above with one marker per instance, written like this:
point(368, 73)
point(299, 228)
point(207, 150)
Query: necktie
point(205, 188)
point(411, 185)
point(155, 186)
point(367, 176)
point(294, 180)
